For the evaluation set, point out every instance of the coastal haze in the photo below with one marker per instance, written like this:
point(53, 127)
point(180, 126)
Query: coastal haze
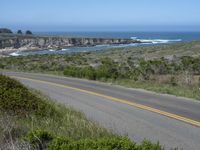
point(130, 69)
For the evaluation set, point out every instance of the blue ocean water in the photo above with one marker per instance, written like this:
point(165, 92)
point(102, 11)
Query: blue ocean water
point(184, 36)
point(153, 37)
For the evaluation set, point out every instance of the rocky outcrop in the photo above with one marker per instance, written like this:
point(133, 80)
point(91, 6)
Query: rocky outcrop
point(23, 43)
point(57, 42)
point(5, 30)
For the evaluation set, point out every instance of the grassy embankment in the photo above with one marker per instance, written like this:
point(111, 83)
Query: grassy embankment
point(172, 69)
point(29, 120)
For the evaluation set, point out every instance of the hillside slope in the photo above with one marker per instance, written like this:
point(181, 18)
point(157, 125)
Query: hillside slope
point(30, 120)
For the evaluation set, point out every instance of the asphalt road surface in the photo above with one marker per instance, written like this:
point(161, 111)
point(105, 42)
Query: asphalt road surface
point(140, 114)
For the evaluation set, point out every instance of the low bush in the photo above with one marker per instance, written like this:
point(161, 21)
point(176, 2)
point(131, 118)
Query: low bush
point(107, 70)
point(114, 143)
point(60, 143)
point(173, 81)
point(16, 99)
point(147, 145)
point(199, 82)
point(86, 72)
point(39, 139)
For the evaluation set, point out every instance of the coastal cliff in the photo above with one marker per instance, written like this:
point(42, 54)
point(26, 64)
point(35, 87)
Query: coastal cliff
point(25, 43)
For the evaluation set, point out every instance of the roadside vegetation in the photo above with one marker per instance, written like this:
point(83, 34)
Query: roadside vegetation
point(172, 69)
point(179, 78)
point(29, 120)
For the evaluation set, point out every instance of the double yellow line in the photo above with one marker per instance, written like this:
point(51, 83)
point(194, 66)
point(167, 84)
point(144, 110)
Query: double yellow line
point(174, 116)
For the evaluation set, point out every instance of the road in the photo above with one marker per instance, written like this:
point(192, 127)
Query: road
point(174, 121)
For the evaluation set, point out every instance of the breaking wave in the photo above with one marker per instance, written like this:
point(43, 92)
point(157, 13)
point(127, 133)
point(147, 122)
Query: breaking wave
point(64, 49)
point(14, 54)
point(157, 41)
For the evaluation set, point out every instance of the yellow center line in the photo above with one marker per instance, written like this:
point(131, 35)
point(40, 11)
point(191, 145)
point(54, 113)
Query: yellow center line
point(154, 110)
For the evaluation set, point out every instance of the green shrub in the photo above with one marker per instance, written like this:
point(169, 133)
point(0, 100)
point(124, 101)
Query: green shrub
point(88, 73)
point(117, 143)
point(16, 99)
point(147, 145)
point(173, 81)
point(59, 142)
point(107, 70)
point(39, 139)
point(199, 82)
point(90, 144)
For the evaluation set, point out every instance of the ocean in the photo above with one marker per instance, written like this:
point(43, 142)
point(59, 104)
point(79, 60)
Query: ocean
point(183, 36)
point(154, 37)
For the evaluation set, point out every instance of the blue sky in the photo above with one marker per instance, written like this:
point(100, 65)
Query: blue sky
point(102, 15)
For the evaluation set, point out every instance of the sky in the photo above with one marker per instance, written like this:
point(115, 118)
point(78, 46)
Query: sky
point(101, 15)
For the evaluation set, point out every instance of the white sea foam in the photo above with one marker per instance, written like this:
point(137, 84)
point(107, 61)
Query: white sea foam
point(51, 50)
point(157, 41)
point(14, 54)
point(64, 49)
point(101, 45)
